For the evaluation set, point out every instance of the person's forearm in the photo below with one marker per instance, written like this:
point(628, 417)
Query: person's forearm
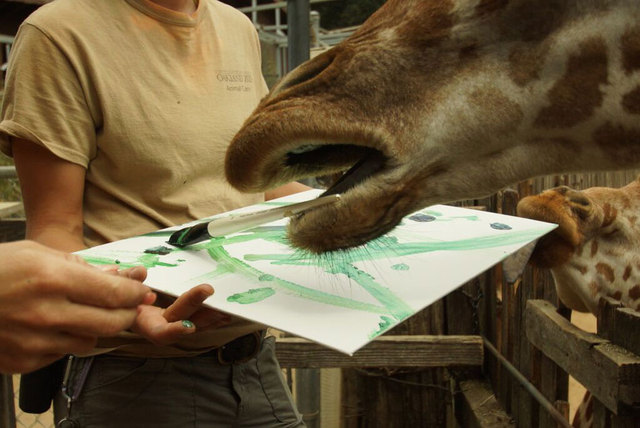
point(287, 189)
point(60, 237)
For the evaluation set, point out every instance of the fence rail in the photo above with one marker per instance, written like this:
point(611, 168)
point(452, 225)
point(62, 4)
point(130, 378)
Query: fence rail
point(8, 172)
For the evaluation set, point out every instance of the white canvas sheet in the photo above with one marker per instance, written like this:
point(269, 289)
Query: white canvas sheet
point(344, 299)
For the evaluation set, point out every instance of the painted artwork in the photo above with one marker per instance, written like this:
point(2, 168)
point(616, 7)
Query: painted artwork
point(342, 299)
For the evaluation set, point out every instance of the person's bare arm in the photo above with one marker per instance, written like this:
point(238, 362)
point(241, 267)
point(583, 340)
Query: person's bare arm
point(52, 192)
point(286, 189)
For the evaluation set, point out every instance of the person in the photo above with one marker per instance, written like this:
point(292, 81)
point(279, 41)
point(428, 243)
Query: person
point(53, 303)
point(118, 114)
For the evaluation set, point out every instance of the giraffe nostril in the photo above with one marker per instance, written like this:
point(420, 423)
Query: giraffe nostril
point(305, 73)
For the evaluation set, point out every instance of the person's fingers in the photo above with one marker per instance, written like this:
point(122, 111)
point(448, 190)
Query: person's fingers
point(188, 303)
point(59, 343)
point(113, 269)
point(152, 325)
point(137, 273)
point(87, 285)
point(60, 315)
point(99, 322)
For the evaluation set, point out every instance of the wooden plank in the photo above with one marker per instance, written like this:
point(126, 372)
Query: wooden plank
point(627, 322)
point(12, 230)
point(385, 351)
point(611, 373)
point(527, 407)
point(603, 418)
point(477, 407)
point(7, 410)
point(606, 317)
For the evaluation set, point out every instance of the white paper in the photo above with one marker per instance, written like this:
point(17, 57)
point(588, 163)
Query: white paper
point(342, 300)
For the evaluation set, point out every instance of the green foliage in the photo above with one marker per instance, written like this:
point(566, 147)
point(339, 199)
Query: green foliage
point(9, 188)
point(340, 14)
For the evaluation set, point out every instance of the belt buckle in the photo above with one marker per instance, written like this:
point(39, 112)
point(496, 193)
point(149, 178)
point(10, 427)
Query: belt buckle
point(240, 350)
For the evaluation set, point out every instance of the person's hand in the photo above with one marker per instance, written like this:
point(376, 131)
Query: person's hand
point(164, 326)
point(53, 303)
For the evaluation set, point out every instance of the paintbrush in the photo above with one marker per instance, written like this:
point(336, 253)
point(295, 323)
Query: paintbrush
point(236, 223)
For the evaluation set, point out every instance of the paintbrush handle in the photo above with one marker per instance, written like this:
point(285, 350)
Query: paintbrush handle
point(236, 223)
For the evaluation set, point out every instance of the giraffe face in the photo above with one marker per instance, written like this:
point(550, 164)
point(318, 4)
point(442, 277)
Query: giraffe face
point(430, 101)
point(595, 251)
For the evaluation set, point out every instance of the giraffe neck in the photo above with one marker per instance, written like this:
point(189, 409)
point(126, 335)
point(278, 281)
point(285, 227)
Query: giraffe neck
point(607, 263)
point(564, 80)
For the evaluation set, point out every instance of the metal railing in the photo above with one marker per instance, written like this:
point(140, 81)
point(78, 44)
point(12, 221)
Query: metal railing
point(6, 42)
point(276, 32)
point(8, 172)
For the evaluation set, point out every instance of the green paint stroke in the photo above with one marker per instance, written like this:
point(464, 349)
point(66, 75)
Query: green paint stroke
point(220, 255)
point(146, 260)
point(342, 263)
point(254, 295)
point(385, 324)
point(400, 266)
point(396, 306)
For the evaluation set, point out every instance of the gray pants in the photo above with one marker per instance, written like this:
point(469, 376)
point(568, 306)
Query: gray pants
point(191, 392)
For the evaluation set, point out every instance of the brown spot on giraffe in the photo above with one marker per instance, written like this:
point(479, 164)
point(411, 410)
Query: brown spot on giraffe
point(581, 268)
point(610, 214)
point(618, 143)
point(485, 7)
point(616, 295)
point(577, 94)
point(627, 273)
point(589, 410)
point(439, 18)
point(594, 248)
point(631, 101)
point(594, 288)
point(576, 422)
point(634, 292)
point(506, 114)
point(537, 19)
point(525, 63)
point(630, 46)
point(606, 271)
point(468, 52)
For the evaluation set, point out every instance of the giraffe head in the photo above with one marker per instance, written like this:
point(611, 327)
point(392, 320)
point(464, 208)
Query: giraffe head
point(432, 101)
point(595, 251)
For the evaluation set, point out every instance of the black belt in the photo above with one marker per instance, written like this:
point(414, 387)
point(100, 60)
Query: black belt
point(239, 350)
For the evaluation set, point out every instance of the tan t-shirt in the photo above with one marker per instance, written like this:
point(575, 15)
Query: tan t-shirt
point(145, 99)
